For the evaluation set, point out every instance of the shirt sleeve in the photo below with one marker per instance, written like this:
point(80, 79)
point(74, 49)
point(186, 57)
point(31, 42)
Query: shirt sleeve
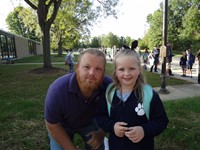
point(53, 110)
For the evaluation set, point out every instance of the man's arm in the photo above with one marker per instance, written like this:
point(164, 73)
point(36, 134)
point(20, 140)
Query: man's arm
point(60, 136)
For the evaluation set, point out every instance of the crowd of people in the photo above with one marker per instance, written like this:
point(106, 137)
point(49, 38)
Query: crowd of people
point(186, 61)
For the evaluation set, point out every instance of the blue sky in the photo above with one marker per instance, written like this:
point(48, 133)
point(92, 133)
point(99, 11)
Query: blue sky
point(131, 19)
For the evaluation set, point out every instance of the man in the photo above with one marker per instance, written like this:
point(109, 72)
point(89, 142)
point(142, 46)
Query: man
point(169, 56)
point(71, 103)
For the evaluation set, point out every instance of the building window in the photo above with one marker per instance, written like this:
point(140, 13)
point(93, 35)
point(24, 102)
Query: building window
point(32, 48)
point(7, 46)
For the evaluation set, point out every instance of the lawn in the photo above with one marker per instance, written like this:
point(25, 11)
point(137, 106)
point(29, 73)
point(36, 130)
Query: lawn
point(22, 95)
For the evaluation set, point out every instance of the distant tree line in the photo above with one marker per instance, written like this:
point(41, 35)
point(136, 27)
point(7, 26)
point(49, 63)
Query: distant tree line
point(68, 22)
point(183, 26)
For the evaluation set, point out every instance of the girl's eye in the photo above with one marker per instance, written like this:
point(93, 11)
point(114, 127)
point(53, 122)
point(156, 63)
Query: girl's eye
point(121, 69)
point(132, 68)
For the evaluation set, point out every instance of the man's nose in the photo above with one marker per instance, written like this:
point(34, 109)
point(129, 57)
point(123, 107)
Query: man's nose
point(92, 71)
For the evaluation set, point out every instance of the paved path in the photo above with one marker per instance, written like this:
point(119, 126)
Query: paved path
point(181, 91)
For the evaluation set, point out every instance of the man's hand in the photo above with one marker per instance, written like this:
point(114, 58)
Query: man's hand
point(96, 139)
point(135, 134)
point(119, 128)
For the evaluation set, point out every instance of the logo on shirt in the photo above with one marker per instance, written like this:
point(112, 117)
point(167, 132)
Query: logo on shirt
point(139, 109)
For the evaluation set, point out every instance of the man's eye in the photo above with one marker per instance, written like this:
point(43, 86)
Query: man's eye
point(86, 67)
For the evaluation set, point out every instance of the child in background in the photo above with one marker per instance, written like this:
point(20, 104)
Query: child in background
point(183, 63)
point(145, 58)
point(190, 61)
point(69, 61)
point(128, 125)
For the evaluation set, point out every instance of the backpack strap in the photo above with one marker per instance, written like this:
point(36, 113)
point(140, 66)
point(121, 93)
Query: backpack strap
point(112, 92)
point(148, 94)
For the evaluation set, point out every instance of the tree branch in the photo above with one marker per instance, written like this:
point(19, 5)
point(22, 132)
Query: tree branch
point(31, 4)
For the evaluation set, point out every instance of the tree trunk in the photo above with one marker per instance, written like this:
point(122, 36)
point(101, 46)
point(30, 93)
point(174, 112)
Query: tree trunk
point(60, 47)
point(46, 47)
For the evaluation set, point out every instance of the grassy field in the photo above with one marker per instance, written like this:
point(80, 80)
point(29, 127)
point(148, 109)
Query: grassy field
point(22, 95)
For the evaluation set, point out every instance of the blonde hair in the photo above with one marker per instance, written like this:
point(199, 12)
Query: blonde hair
point(138, 87)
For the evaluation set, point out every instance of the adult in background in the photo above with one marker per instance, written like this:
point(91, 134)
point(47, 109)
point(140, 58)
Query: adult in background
point(154, 56)
point(169, 56)
point(71, 103)
point(198, 57)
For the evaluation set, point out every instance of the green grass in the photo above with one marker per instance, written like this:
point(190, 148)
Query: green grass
point(183, 132)
point(22, 97)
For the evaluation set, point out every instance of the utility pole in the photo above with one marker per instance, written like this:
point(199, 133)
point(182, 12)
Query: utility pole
point(163, 89)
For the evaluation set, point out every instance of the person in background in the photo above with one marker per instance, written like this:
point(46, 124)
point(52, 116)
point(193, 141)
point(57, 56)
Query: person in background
point(71, 101)
point(145, 58)
point(198, 57)
point(183, 63)
point(190, 61)
point(134, 45)
point(169, 56)
point(69, 61)
point(128, 126)
point(155, 57)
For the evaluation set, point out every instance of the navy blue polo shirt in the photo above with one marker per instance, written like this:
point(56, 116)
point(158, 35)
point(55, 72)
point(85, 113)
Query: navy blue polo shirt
point(66, 105)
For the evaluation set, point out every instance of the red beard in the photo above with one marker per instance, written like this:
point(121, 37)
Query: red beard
point(87, 86)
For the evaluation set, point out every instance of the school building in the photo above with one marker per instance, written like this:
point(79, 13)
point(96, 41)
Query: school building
point(15, 47)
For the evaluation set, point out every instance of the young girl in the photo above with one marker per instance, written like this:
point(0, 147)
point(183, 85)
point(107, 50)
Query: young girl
point(183, 63)
point(127, 121)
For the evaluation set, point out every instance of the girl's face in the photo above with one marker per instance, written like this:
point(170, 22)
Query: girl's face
point(127, 71)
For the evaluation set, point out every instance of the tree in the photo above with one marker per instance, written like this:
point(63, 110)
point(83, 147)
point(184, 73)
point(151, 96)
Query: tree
point(47, 11)
point(154, 33)
point(18, 24)
point(96, 42)
point(71, 23)
point(183, 25)
point(110, 40)
point(191, 27)
point(45, 19)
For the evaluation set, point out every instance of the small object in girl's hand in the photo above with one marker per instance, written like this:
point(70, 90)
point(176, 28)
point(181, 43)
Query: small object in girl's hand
point(88, 137)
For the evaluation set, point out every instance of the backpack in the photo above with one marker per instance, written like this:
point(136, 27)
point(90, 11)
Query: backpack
point(145, 56)
point(68, 58)
point(148, 94)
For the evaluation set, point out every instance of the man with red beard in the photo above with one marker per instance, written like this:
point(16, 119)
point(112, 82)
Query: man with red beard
point(71, 103)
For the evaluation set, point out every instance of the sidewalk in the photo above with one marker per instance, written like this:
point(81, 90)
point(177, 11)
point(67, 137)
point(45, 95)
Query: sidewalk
point(180, 91)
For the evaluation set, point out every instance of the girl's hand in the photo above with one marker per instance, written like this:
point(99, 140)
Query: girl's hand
point(135, 134)
point(119, 128)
